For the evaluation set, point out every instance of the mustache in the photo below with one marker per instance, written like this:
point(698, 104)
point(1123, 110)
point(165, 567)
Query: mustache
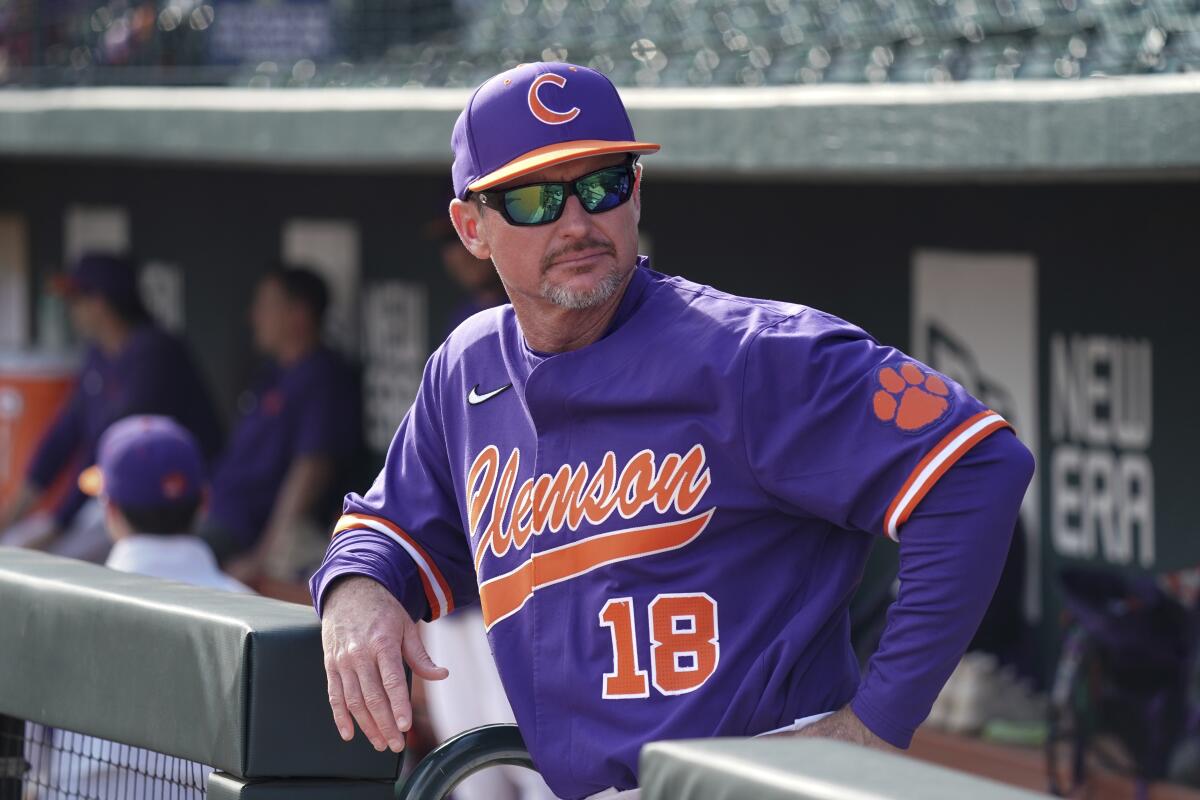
point(576, 247)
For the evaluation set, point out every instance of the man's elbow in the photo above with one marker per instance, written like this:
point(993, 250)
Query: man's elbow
point(1019, 461)
point(1010, 468)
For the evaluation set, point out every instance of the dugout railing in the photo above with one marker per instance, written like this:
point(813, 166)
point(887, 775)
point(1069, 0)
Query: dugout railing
point(111, 681)
point(168, 690)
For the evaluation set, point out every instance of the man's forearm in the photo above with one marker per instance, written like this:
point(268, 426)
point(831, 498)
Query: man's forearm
point(306, 480)
point(952, 551)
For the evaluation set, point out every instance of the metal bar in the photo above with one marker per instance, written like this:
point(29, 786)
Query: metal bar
point(12, 757)
point(454, 760)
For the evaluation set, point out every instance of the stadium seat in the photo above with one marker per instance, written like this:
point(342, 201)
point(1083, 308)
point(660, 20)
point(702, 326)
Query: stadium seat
point(680, 43)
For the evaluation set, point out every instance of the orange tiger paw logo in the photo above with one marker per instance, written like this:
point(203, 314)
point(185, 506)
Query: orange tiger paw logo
point(910, 398)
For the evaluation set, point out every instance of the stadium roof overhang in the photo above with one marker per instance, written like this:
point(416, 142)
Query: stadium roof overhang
point(982, 131)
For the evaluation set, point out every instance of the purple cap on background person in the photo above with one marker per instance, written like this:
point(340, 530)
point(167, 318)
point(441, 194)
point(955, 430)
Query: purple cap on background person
point(146, 462)
point(534, 116)
point(112, 277)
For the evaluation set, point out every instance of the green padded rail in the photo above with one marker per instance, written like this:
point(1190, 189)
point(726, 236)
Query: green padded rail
point(233, 681)
point(802, 769)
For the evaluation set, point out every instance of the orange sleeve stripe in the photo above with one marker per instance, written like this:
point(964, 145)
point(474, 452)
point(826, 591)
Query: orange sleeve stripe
point(437, 589)
point(934, 465)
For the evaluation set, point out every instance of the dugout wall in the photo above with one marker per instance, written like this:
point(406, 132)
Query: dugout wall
point(1034, 243)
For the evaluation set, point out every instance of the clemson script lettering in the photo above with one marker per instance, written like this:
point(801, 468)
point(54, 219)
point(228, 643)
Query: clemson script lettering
point(569, 496)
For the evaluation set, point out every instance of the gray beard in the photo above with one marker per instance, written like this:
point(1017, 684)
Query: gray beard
point(567, 298)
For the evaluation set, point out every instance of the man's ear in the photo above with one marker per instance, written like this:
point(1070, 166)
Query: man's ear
point(467, 218)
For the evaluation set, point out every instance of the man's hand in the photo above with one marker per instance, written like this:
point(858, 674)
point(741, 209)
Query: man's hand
point(843, 725)
point(368, 636)
point(245, 568)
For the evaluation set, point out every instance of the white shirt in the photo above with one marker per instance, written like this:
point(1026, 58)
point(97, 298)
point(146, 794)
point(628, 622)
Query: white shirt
point(182, 558)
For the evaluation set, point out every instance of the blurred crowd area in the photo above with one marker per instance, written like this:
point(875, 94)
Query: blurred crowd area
point(672, 43)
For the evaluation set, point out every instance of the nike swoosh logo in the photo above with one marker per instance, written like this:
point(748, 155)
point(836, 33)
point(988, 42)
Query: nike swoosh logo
point(474, 398)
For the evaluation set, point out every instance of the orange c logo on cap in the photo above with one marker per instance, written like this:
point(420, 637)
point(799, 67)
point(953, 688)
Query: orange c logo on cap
point(544, 114)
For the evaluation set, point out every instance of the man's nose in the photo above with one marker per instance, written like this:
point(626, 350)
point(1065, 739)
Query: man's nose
point(574, 222)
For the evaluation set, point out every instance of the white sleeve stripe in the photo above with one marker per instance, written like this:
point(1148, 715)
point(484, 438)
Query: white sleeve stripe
point(931, 469)
point(417, 558)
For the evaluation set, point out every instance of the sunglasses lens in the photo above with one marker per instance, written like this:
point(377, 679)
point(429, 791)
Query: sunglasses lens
point(533, 205)
point(605, 189)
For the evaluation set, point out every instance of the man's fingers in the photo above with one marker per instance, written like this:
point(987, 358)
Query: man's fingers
point(358, 709)
point(418, 658)
point(378, 706)
point(337, 702)
point(391, 670)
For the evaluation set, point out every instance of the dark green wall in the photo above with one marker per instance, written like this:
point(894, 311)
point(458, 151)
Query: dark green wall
point(1114, 259)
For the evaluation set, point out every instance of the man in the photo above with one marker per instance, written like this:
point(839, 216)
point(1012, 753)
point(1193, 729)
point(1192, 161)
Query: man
point(149, 480)
point(131, 366)
point(298, 428)
point(662, 495)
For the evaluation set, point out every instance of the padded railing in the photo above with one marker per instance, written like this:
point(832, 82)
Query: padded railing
point(235, 682)
point(786, 768)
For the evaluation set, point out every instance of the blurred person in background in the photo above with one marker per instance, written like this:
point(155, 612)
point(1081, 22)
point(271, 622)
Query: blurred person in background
point(149, 481)
point(472, 695)
point(274, 488)
point(131, 366)
point(476, 277)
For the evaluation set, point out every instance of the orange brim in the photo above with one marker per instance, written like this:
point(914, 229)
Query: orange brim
point(91, 481)
point(63, 285)
point(553, 154)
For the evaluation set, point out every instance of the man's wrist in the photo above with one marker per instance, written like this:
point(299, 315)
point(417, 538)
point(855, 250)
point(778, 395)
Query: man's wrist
point(845, 726)
point(879, 723)
point(349, 586)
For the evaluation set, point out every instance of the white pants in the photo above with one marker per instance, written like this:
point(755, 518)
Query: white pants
point(470, 697)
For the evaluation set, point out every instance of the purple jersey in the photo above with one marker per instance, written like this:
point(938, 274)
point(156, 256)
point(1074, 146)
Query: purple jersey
point(152, 374)
point(664, 528)
point(309, 408)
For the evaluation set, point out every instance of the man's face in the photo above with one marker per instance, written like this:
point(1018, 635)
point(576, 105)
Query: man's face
point(86, 311)
point(578, 261)
point(269, 316)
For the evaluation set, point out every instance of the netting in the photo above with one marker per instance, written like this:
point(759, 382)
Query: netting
point(42, 763)
point(281, 43)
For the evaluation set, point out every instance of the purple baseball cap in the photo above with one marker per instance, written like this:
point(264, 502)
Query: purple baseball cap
point(534, 116)
point(109, 276)
point(146, 462)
